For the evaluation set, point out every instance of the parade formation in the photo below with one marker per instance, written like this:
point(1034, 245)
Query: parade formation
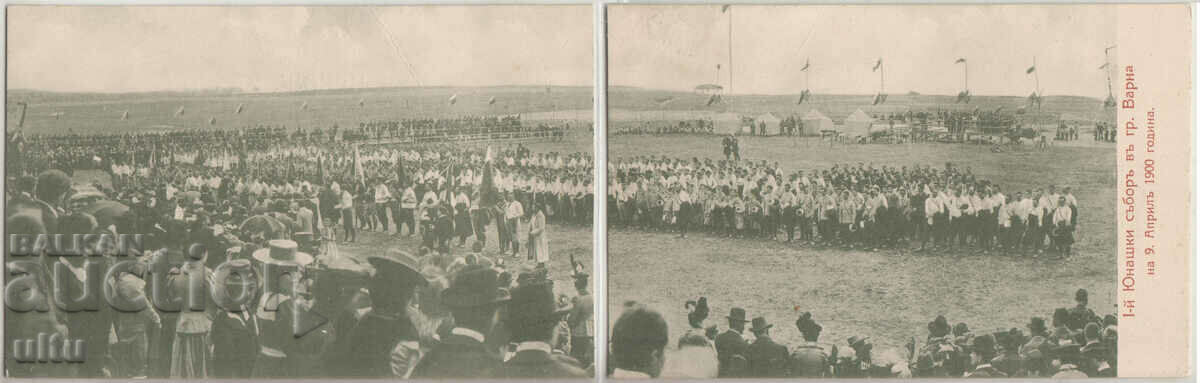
point(852, 206)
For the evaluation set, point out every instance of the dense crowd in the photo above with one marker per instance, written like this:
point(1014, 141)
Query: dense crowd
point(483, 312)
point(647, 127)
point(135, 151)
point(1076, 344)
point(850, 206)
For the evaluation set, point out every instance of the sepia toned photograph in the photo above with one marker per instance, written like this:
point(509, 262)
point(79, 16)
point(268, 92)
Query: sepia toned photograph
point(862, 191)
point(227, 192)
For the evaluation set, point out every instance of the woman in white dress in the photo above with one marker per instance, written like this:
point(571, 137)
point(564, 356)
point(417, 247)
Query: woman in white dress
point(539, 244)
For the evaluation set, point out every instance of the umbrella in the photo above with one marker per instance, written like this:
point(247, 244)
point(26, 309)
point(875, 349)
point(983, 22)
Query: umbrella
point(107, 212)
point(262, 227)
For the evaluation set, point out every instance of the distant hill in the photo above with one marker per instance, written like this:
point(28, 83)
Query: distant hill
point(838, 107)
point(57, 113)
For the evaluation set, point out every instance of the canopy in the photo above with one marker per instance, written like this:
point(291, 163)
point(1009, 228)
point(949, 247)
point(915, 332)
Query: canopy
point(858, 123)
point(709, 89)
point(815, 122)
point(772, 122)
point(726, 123)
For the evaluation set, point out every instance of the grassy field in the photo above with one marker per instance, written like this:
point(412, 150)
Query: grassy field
point(888, 295)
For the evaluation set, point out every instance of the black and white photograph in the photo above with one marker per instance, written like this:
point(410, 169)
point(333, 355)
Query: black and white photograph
point(287, 192)
point(906, 191)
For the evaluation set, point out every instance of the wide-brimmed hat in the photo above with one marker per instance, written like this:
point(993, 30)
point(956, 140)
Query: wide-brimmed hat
point(759, 324)
point(282, 252)
point(939, 326)
point(1036, 325)
point(737, 314)
point(855, 340)
point(534, 301)
point(475, 285)
point(397, 266)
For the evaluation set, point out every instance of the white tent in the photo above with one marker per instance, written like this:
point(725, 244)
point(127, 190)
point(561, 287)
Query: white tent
point(771, 121)
point(815, 122)
point(725, 123)
point(858, 123)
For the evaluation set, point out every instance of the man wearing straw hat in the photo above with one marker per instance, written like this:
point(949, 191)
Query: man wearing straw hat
point(277, 308)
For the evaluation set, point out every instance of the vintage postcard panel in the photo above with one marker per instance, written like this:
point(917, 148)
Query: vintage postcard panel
point(899, 191)
point(299, 192)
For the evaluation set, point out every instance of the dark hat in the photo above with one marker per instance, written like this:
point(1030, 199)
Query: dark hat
point(759, 324)
point(1081, 295)
point(533, 302)
point(475, 286)
point(985, 345)
point(1036, 325)
point(806, 325)
point(854, 341)
point(737, 314)
point(960, 329)
point(397, 267)
point(939, 327)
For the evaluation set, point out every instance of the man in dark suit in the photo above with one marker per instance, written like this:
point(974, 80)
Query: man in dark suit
point(473, 298)
point(983, 350)
point(731, 348)
point(533, 318)
point(766, 358)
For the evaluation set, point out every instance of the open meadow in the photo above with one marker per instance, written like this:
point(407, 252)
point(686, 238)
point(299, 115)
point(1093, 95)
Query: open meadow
point(889, 295)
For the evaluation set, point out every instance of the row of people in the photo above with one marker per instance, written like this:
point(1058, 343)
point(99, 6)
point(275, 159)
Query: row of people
point(1079, 344)
point(861, 207)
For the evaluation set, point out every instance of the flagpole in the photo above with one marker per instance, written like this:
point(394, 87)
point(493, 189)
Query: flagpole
point(730, 50)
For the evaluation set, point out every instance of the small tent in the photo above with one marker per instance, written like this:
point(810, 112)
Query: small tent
point(815, 122)
point(771, 121)
point(858, 123)
point(726, 123)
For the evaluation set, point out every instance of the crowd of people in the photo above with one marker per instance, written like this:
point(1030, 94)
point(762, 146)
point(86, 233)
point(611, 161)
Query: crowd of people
point(487, 310)
point(1105, 131)
point(142, 150)
point(849, 206)
point(648, 127)
point(1076, 344)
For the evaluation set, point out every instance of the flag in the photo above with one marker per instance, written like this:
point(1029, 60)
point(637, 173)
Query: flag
point(304, 106)
point(1103, 66)
point(492, 100)
point(960, 60)
point(239, 109)
point(179, 112)
point(125, 115)
point(1031, 69)
point(453, 99)
point(320, 169)
point(878, 64)
point(358, 169)
point(805, 68)
point(725, 7)
point(488, 195)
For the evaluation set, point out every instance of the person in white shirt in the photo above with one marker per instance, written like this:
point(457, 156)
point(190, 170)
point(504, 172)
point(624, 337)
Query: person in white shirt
point(346, 205)
point(408, 204)
point(383, 198)
point(1063, 236)
point(512, 222)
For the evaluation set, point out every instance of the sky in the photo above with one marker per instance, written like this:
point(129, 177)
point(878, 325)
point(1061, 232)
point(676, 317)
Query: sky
point(679, 47)
point(266, 49)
